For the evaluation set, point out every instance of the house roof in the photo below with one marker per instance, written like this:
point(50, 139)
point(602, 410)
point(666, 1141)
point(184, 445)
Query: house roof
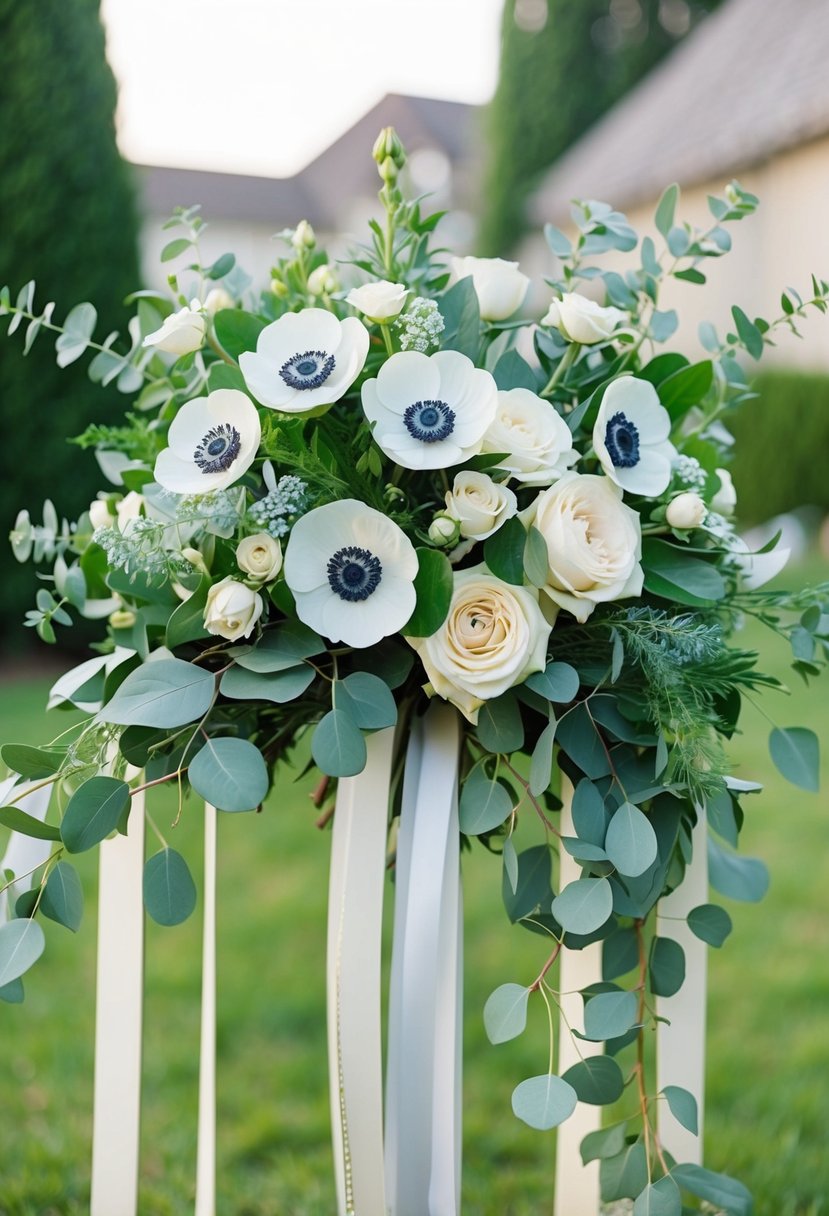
point(344, 170)
point(749, 82)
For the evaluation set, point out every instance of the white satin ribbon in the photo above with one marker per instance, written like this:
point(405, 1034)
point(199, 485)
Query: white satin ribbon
point(206, 1142)
point(355, 924)
point(120, 991)
point(577, 1186)
point(23, 853)
point(680, 1043)
point(423, 1109)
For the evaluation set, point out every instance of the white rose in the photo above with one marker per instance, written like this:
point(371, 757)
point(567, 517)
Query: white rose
point(493, 638)
point(479, 504)
point(181, 333)
point(500, 286)
point(686, 511)
point(537, 438)
point(582, 320)
point(129, 508)
point(260, 556)
point(99, 515)
point(232, 609)
point(725, 499)
point(594, 542)
point(322, 281)
point(378, 301)
point(217, 299)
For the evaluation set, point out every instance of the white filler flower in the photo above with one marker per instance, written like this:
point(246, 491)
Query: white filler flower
point(494, 637)
point(630, 437)
point(305, 359)
point(537, 438)
point(500, 286)
point(379, 301)
point(582, 320)
point(181, 333)
point(213, 441)
point(351, 571)
point(430, 411)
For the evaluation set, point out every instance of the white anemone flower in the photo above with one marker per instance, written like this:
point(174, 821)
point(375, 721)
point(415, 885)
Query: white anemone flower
point(305, 359)
point(351, 571)
point(212, 442)
point(630, 437)
point(430, 411)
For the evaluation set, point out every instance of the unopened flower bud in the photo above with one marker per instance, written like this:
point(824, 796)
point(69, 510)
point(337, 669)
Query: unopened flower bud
point(122, 618)
point(279, 288)
point(194, 557)
point(322, 281)
point(304, 237)
point(444, 531)
point(217, 299)
point(388, 146)
point(686, 511)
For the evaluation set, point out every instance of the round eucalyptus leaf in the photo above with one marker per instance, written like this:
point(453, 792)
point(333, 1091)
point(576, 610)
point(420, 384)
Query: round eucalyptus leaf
point(544, 1102)
point(164, 692)
point(484, 803)
point(63, 897)
point(597, 1080)
point(796, 754)
point(710, 923)
point(683, 1106)
point(661, 1198)
point(666, 967)
point(21, 944)
point(337, 746)
point(584, 905)
point(609, 1014)
point(367, 700)
point(230, 774)
point(169, 890)
point(94, 810)
point(630, 842)
point(505, 1013)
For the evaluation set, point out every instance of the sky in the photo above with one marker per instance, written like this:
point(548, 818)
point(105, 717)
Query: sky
point(263, 86)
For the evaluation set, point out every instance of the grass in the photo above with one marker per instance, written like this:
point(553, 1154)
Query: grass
point(768, 1099)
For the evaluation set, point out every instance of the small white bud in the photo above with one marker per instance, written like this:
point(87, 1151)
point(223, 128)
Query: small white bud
point(304, 236)
point(444, 531)
point(686, 511)
point(322, 281)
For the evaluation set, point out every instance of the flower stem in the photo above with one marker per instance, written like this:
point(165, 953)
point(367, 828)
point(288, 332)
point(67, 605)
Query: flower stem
point(567, 360)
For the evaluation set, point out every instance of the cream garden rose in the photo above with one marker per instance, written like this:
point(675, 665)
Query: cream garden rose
point(537, 439)
point(500, 286)
point(594, 543)
point(232, 609)
point(181, 333)
point(479, 504)
point(494, 637)
point(582, 320)
point(259, 556)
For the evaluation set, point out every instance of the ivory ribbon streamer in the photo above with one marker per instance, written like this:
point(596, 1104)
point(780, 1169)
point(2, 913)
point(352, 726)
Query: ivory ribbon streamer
point(680, 1046)
point(117, 1105)
point(355, 922)
point(577, 1186)
point(23, 853)
point(206, 1143)
point(423, 1113)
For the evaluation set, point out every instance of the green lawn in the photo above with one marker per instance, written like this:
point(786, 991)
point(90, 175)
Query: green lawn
point(768, 1097)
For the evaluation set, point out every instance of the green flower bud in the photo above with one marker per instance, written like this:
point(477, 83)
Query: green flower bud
point(444, 531)
point(388, 145)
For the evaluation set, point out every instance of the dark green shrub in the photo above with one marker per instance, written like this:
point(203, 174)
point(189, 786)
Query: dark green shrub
point(66, 220)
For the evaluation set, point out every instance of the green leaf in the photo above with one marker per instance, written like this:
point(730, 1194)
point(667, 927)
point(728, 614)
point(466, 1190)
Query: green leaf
point(533, 883)
point(683, 1107)
point(541, 761)
point(169, 890)
point(77, 331)
point(504, 552)
point(796, 755)
point(280, 648)
point(462, 319)
point(620, 954)
point(748, 333)
point(719, 1189)
point(237, 331)
point(505, 1013)
point(63, 896)
point(535, 557)
point(20, 821)
point(222, 266)
point(33, 763)
point(578, 736)
point(661, 1198)
point(686, 387)
point(174, 248)
point(710, 923)
point(484, 803)
point(13, 993)
point(597, 1080)
point(513, 371)
point(558, 242)
point(337, 746)
point(499, 727)
point(624, 1176)
point(510, 864)
point(608, 1015)
point(544, 1102)
point(367, 700)
point(663, 325)
point(666, 966)
point(630, 842)
point(666, 207)
point(278, 686)
point(230, 774)
point(433, 588)
point(607, 1142)
point(589, 814)
point(164, 692)
point(93, 811)
point(21, 945)
point(558, 682)
point(675, 575)
point(186, 623)
point(736, 877)
point(584, 905)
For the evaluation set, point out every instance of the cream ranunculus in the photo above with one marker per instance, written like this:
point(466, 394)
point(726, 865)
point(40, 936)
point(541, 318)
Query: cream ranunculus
point(537, 438)
point(582, 320)
point(232, 609)
point(181, 333)
point(494, 637)
point(686, 511)
point(379, 301)
point(479, 504)
point(500, 286)
point(259, 556)
point(594, 542)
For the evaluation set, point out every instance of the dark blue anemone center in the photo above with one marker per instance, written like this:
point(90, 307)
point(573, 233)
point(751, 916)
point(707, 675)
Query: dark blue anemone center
point(310, 369)
point(429, 421)
point(218, 449)
point(622, 442)
point(354, 573)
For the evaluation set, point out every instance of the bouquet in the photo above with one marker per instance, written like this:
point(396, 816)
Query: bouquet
point(328, 506)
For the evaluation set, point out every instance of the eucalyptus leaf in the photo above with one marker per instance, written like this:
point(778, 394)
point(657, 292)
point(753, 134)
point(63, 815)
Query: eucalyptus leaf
point(62, 899)
point(535, 557)
point(544, 1102)
point(433, 588)
point(505, 1012)
point(661, 1198)
point(724, 1192)
point(21, 945)
point(590, 817)
point(163, 692)
point(18, 820)
point(631, 841)
point(338, 746)
point(510, 864)
point(710, 923)
point(584, 905)
point(683, 1107)
point(499, 727)
point(609, 1014)
point(796, 755)
point(278, 686)
point(558, 682)
point(541, 761)
point(33, 763)
point(367, 700)
point(626, 1175)
point(280, 648)
point(666, 967)
point(607, 1142)
point(169, 890)
point(230, 774)
point(186, 623)
point(532, 887)
point(484, 803)
point(597, 1080)
point(736, 877)
point(93, 811)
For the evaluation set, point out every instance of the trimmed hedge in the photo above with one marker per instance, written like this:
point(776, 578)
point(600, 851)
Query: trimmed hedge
point(67, 220)
point(782, 443)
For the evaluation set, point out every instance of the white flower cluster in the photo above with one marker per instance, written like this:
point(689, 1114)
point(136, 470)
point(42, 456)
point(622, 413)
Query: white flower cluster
point(285, 499)
point(689, 472)
point(421, 326)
